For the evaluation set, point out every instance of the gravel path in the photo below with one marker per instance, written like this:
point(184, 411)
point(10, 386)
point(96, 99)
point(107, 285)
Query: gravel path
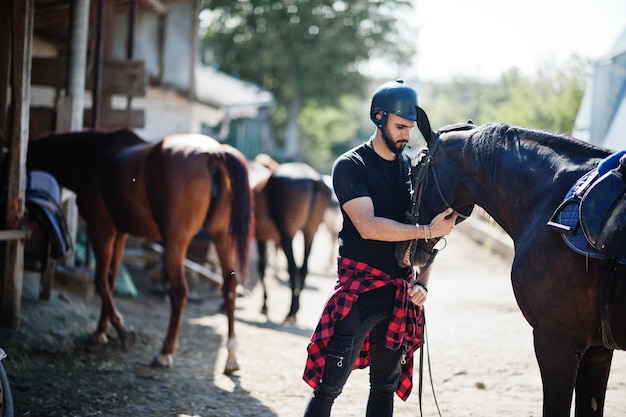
point(479, 345)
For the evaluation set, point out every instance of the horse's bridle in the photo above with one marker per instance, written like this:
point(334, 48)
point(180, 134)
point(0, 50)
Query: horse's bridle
point(425, 164)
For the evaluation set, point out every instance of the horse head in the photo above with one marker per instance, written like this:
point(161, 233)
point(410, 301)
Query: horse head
point(443, 186)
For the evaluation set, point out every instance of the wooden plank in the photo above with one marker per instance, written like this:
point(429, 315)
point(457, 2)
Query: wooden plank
point(11, 288)
point(50, 72)
point(124, 77)
point(155, 248)
point(118, 77)
point(116, 119)
point(14, 234)
point(203, 272)
point(43, 119)
point(64, 107)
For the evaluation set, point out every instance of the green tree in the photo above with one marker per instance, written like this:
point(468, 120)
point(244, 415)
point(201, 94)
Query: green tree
point(547, 100)
point(304, 51)
point(328, 131)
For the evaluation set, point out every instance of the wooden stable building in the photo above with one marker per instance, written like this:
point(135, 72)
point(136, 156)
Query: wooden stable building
point(64, 49)
point(104, 64)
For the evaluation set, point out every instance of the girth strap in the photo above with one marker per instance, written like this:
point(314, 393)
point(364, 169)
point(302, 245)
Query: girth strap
point(606, 292)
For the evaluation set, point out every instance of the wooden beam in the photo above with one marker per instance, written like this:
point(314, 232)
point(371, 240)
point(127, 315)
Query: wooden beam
point(14, 234)
point(118, 77)
point(44, 119)
point(116, 119)
point(11, 290)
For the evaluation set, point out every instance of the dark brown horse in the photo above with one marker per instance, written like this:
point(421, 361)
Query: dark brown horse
point(289, 198)
point(167, 192)
point(520, 177)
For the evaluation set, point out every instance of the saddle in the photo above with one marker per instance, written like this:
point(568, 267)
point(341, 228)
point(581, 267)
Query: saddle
point(592, 222)
point(595, 210)
point(42, 201)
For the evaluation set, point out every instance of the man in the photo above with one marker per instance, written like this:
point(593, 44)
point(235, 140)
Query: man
point(372, 318)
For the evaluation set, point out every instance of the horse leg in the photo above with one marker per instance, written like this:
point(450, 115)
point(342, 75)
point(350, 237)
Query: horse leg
point(178, 292)
point(262, 247)
point(126, 334)
point(294, 280)
point(558, 364)
point(304, 270)
point(103, 245)
point(226, 254)
point(593, 376)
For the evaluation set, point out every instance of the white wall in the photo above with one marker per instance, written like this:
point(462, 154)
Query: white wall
point(168, 112)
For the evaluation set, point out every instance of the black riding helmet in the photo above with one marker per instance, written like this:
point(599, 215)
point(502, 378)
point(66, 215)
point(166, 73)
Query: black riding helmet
point(394, 97)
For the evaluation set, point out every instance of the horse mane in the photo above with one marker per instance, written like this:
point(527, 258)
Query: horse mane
point(561, 144)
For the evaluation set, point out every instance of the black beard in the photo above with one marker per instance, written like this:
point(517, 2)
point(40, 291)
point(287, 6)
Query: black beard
point(391, 145)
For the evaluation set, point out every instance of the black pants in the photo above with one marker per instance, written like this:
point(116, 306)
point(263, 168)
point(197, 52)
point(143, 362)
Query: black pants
point(370, 314)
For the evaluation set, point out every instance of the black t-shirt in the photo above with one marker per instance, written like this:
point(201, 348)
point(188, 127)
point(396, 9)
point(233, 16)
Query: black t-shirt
point(361, 172)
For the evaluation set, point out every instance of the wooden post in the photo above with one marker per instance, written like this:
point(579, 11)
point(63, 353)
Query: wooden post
point(71, 106)
point(5, 48)
point(11, 294)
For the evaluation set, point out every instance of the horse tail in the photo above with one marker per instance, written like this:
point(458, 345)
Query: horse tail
point(241, 219)
point(321, 187)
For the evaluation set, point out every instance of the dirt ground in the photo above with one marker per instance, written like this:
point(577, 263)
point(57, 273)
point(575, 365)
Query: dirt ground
point(479, 349)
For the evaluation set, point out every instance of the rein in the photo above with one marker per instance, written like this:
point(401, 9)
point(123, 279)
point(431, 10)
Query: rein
point(425, 163)
point(421, 368)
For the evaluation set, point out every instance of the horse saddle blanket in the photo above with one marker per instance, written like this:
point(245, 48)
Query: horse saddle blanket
point(42, 202)
point(592, 217)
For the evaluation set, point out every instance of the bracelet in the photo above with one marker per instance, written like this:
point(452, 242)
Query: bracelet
point(427, 234)
point(421, 284)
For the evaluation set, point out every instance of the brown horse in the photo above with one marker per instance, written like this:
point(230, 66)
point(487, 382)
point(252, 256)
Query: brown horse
point(289, 198)
point(575, 300)
point(167, 192)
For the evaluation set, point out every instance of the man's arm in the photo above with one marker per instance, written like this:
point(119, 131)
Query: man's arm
point(361, 213)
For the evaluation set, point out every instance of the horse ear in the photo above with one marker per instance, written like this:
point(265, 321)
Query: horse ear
point(423, 124)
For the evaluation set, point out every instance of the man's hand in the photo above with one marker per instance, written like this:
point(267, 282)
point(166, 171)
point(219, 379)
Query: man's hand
point(443, 223)
point(418, 295)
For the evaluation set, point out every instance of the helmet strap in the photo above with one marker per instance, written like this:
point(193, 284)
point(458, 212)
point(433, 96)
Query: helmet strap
point(380, 123)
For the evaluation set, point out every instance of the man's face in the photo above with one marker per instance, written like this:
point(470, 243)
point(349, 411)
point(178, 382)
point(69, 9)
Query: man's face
point(397, 133)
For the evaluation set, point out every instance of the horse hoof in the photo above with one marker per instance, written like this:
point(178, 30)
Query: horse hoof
point(230, 368)
point(98, 339)
point(290, 321)
point(242, 291)
point(264, 311)
point(128, 338)
point(162, 361)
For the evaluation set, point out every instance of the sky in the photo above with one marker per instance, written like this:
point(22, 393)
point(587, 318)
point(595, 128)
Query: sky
point(484, 38)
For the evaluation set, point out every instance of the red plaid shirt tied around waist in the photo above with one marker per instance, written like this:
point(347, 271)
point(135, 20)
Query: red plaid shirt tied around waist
point(405, 328)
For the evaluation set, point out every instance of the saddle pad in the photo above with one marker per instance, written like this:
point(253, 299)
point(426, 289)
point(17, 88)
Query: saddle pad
point(570, 216)
point(42, 201)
